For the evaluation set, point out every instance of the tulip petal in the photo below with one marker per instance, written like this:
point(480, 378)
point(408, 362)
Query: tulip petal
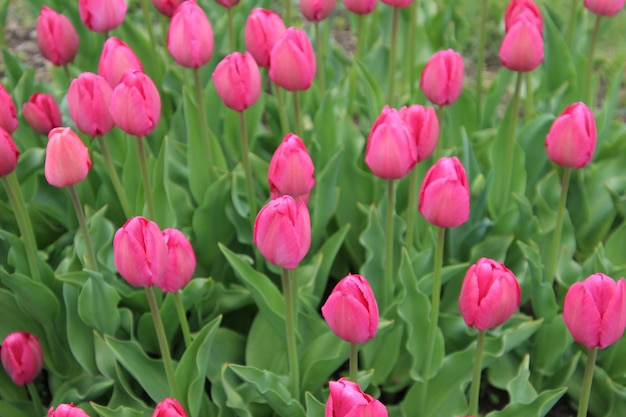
point(581, 316)
point(614, 316)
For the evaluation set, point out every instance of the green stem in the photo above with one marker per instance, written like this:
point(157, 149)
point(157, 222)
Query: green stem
point(319, 49)
point(528, 103)
point(359, 36)
point(14, 193)
point(204, 126)
point(410, 68)
point(571, 24)
point(510, 146)
point(585, 391)
point(392, 55)
point(478, 359)
point(182, 318)
point(388, 296)
point(441, 142)
point(292, 353)
point(282, 110)
point(149, 23)
point(145, 178)
point(411, 208)
point(66, 70)
point(553, 261)
point(36, 399)
point(164, 29)
point(245, 157)
point(480, 61)
point(297, 115)
point(353, 70)
point(231, 30)
point(287, 13)
point(115, 179)
point(592, 48)
point(160, 332)
point(354, 362)
point(90, 262)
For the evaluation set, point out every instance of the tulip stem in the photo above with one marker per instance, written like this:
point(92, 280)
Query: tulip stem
point(478, 359)
point(319, 48)
point(290, 313)
point(164, 29)
point(231, 29)
point(145, 178)
point(245, 157)
point(392, 55)
point(571, 24)
point(160, 332)
point(441, 143)
point(585, 391)
point(282, 110)
point(204, 127)
point(182, 318)
point(388, 296)
point(115, 179)
point(510, 146)
point(14, 193)
point(153, 43)
point(354, 362)
point(296, 110)
point(90, 261)
point(592, 48)
point(480, 61)
point(36, 399)
point(411, 209)
point(528, 103)
point(353, 70)
point(359, 36)
point(553, 261)
point(287, 13)
point(410, 69)
point(66, 70)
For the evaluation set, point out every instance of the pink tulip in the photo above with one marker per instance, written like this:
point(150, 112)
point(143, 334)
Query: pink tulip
point(117, 57)
point(522, 47)
point(190, 36)
point(263, 29)
point(391, 150)
point(42, 113)
point(347, 400)
point(490, 294)
point(361, 7)
point(56, 37)
point(442, 78)
point(136, 104)
point(102, 15)
point(227, 3)
point(238, 80)
point(67, 158)
point(291, 171)
point(444, 198)
point(22, 357)
point(316, 10)
point(140, 252)
point(8, 113)
point(522, 9)
point(604, 7)
point(282, 231)
point(397, 3)
point(8, 153)
point(595, 310)
point(423, 126)
point(66, 410)
point(292, 61)
point(571, 140)
point(88, 101)
point(351, 310)
point(169, 407)
point(181, 261)
point(166, 7)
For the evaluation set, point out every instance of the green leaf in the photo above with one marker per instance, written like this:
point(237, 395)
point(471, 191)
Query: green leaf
point(120, 411)
point(16, 408)
point(538, 408)
point(34, 298)
point(81, 388)
point(79, 335)
point(97, 305)
point(314, 408)
point(321, 358)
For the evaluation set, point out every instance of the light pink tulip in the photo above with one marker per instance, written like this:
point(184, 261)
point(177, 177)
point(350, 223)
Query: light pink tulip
point(604, 7)
point(56, 37)
point(22, 357)
point(292, 61)
point(522, 47)
point(442, 78)
point(317, 10)
point(190, 36)
point(522, 9)
point(263, 29)
point(66, 410)
point(361, 7)
point(88, 101)
point(571, 140)
point(291, 171)
point(238, 80)
point(346, 399)
point(117, 57)
point(423, 126)
point(136, 104)
point(169, 407)
point(8, 153)
point(102, 15)
point(181, 261)
point(8, 113)
point(42, 113)
point(67, 158)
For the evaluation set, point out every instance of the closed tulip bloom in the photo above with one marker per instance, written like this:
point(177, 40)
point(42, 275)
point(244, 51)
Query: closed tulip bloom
point(238, 80)
point(102, 15)
point(263, 29)
point(8, 113)
point(88, 101)
point(227, 3)
point(42, 113)
point(140, 252)
point(595, 310)
point(423, 126)
point(490, 294)
point(166, 7)
point(282, 231)
point(571, 140)
point(391, 151)
point(136, 104)
point(346, 399)
point(522, 47)
point(67, 158)
point(604, 7)
point(181, 261)
point(8, 153)
point(190, 36)
point(169, 407)
point(442, 78)
point(66, 410)
point(115, 59)
point(291, 171)
point(522, 9)
point(317, 10)
point(361, 7)
point(22, 357)
point(292, 61)
point(444, 198)
point(397, 3)
point(351, 310)
point(56, 37)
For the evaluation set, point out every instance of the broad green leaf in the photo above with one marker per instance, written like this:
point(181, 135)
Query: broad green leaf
point(314, 408)
point(321, 358)
point(120, 411)
point(82, 388)
point(97, 305)
point(16, 408)
point(34, 298)
point(79, 335)
point(538, 408)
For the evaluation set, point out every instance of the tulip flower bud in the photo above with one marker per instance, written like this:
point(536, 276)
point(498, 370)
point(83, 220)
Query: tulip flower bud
point(316, 10)
point(8, 113)
point(169, 407)
point(604, 7)
point(490, 294)
point(291, 171)
point(136, 104)
point(361, 7)
point(351, 310)
point(397, 3)
point(442, 78)
point(88, 101)
point(140, 252)
point(56, 37)
point(102, 15)
point(522, 9)
point(8, 153)
point(42, 113)
point(522, 46)
point(347, 400)
point(22, 357)
point(282, 231)
point(571, 140)
point(423, 126)
point(292, 61)
point(444, 198)
point(391, 150)
point(117, 57)
point(595, 310)
point(190, 36)
point(263, 29)
point(181, 261)
point(238, 80)
point(166, 7)
point(227, 3)
point(67, 158)
point(66, 410)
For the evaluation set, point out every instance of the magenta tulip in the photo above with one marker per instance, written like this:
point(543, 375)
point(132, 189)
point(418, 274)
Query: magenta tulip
point(346, 399)
point(360, 7)
point(42, 113)
point(604, 7)
point(522, 47)
point(595, 310)
point(66, 410)
point(22, 357)
point(292, 61)
point(8, 113)
point(8, 153)
point(56, 37)
point(227, 3)
point(317, 10)
point(166, 7)
point(67, 158)
point(136, 104)
point(263, 29)
point(444, 198)
point(442, 78)
point(397, 3)
point(291, 171)
point(571, 140)
point(423, 126)
point(88, 101)
point(181, 261)
point(190, 36)
point(117, 57)
point(102, 15)
point(522, 9)
point(169, 407)
point(238, 80)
